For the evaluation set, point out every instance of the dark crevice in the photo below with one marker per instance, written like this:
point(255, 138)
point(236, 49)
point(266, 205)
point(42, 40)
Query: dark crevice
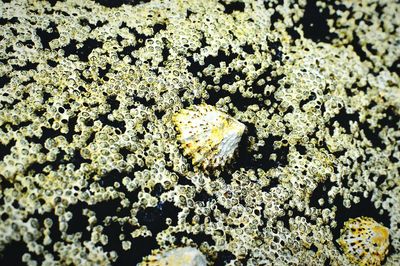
point(79, 222)
point(272, 4)
point(124, 152)
point(85, 22)
point(127, 51)
point(47, 133)
point(12, 253)
point(273, 183)
point(141, 38)
point(52, 63)
point(276, 16)
point(46, 96)
point(344, 118)
point(77, 160)
point(395, 67)
point(158, 27)
point(248, 49)
point(276, 48)
point(105, 208)
point(203, 196)
point(84, 51)
point(310, 98)
point(113, 102)
point(38, 168)
point(321, 192)
point(5, 149)
point(390, 120)
point(372, 135)
point(269, 80)
point(358, 49)
point(223, 258)
point(159, 114)
point(118, 125)
point(221, 57)
point(233, 6)
point(154, 217)
point(4, 80)
point(293, 32)
point(113, 176)
point(15, 127)
point(71, 128)
point(301, 149)
point(47, 35)
point(142, 246)
point(197, 238)
point(315, 24)
point(196, 68)
point(103, 72)
point(118, 3)
point(28, 66)
point(144, 101)
point(157, 190)
point(294, 213)
point(4, 21)
point(246, 158)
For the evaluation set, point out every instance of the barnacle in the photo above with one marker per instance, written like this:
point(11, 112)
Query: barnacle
point(88, 148)
point(208, 135)
point(185, 256)
point(364, 241)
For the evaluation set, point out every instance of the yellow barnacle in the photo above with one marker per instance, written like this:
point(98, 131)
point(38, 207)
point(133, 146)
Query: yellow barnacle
point(209, 136)
point(364, 241)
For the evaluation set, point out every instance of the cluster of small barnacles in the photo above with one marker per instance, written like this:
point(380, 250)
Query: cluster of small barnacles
point(220, 132)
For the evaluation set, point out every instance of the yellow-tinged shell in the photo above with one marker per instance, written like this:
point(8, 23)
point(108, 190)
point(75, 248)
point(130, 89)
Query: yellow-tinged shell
point(209, 136)
point(364, 241)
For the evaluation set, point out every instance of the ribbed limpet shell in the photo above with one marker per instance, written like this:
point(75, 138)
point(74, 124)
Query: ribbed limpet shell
point(364, 241)
point(209, 136)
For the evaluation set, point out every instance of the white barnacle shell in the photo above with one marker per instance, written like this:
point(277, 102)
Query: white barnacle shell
point(209, 136)
point(364, 241)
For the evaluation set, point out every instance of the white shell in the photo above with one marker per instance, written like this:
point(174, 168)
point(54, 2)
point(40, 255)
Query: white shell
point(186, 256)
point(364, 241)
point(207, 135)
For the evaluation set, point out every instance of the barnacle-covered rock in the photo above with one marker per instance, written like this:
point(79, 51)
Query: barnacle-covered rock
point(208, 135)
point(85, 91)
point(186, 256)
point(364, 241)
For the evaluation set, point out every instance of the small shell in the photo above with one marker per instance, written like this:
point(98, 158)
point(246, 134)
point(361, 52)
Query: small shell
point(364, 241)
point(210, 137)
point(186, 256)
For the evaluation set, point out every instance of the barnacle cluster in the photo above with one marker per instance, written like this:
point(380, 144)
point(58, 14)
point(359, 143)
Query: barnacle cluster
point(91, 168)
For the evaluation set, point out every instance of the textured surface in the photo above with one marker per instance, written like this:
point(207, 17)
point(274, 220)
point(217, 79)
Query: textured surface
point(209, 136)
point(364, 241)
point(186, 256)
point(91, 171)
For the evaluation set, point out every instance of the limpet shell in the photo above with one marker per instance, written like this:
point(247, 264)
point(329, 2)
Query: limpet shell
point(364, 241)
point(209, 136)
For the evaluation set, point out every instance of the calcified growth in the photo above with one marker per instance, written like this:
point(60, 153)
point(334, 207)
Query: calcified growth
point(209, 136)
point(364, 241)
point(91, 172)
